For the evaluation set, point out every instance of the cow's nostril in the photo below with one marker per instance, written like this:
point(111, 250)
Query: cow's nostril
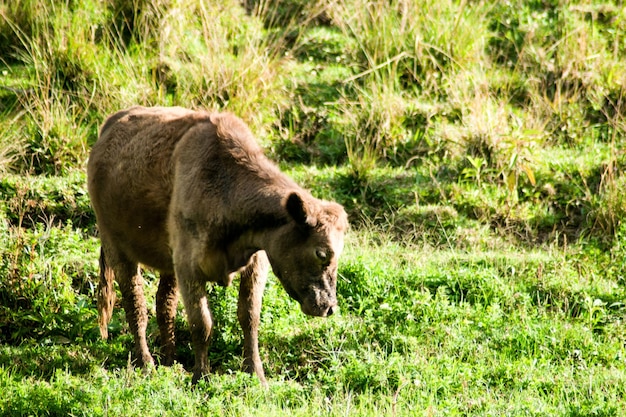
point(330, 311)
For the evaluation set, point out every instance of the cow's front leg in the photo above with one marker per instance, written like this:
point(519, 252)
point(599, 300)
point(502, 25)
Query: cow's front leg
point(253, 279)
point(166, 303)
point(192, 286)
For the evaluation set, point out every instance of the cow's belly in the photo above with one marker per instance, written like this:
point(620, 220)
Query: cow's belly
point(146, 245)
point(139, 230)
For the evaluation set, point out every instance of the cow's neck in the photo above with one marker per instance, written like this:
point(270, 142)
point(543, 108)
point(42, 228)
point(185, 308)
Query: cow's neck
point(260, 205)
point(259, 219)
point(240, 251)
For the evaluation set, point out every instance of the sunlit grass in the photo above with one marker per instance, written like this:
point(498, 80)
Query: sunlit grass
point(475, 145)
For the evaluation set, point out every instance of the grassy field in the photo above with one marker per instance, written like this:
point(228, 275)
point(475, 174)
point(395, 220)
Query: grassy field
point(477, 146)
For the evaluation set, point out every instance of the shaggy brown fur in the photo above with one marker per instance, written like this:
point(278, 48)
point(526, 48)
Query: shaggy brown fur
point(192, 195)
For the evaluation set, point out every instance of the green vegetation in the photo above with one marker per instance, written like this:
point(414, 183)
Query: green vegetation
point(477, 146)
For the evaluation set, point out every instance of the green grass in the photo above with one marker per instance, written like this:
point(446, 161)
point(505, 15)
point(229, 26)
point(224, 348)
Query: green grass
point(477, 147)
point(445, 333)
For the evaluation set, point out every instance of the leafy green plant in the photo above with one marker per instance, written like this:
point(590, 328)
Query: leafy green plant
point(47, 285)
point(519, 161)
point(475, 171)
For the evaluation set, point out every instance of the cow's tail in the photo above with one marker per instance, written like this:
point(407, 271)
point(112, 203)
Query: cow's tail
point(106, 296)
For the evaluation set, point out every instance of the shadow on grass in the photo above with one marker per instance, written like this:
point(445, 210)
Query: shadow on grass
point(403, 201)
point(42, 360)
point(311, 137)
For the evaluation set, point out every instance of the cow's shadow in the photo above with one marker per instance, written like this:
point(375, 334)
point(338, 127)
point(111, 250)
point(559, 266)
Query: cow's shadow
point(43, 360)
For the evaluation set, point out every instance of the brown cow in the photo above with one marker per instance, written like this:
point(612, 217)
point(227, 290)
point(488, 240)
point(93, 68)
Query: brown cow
point(191, 194)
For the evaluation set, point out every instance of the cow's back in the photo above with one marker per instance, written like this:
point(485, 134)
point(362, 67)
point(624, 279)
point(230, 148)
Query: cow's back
point(130, 178)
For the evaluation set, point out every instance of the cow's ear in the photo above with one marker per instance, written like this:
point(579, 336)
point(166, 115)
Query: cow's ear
point(298, 210)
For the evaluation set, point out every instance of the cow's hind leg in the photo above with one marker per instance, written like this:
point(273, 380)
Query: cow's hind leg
point(166, 303)
point(128, 276)
point(106, 296)
point(192, 285)
point(253, 279)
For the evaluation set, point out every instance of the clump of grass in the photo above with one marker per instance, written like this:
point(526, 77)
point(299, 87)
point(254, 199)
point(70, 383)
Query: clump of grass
point(22, 15)
point(54, 105)
point(202, 55)
point(608, 206)
point(415, 49)
point(566, 73)
point(47, 288)
point(57, 136)
point(398, 62)
point(30, 200)
point(372, 126)
point(11, 147)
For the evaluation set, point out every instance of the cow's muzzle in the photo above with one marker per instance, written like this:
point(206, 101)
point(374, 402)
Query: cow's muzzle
point(320, 309)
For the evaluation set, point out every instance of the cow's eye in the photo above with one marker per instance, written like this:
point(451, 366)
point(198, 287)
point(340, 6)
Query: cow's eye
point(321, 255)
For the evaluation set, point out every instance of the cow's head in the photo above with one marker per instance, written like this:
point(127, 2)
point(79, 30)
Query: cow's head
point(304, 252)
